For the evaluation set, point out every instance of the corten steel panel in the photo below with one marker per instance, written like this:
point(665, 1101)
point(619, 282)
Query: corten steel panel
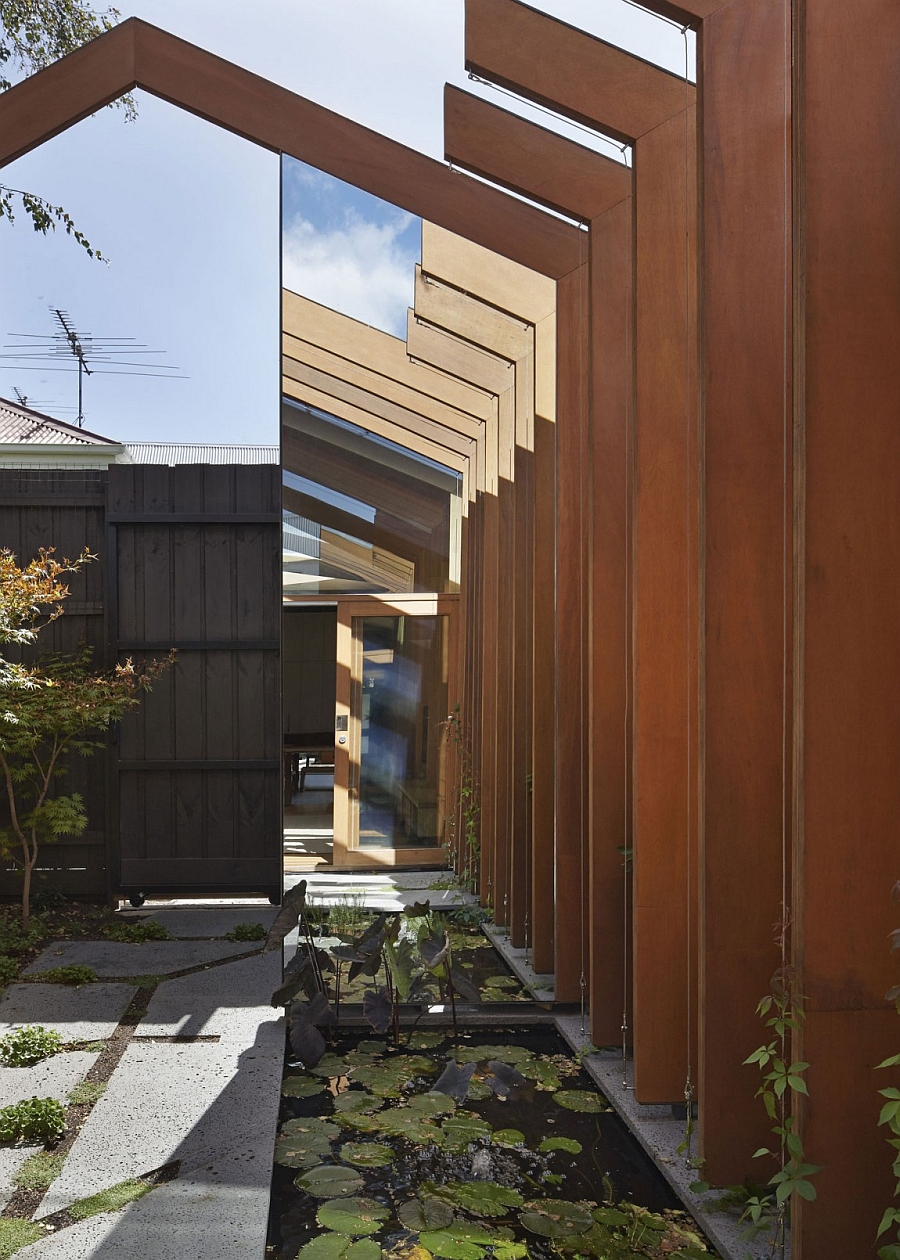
point(136, 54)
point(537, 163)
point(198, 765)
point(848, 789)
point(572, 614)
point(63, 508)
point(611, 454)
point(568, 70)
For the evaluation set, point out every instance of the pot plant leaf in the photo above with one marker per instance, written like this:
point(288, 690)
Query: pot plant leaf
point(418, 910)
point(555, 1218)
point(505, 1080)
point(586, 1100)
point(401, 957)
point(482, 1198)
point(292, 906)
point(307, 1042)
point(425, 1212)
point(561, 1144)
point(319, 1011)
point(378, 1009)
point(463, 984)
point(301, 1086)
point(330, 1181)
point(366, 1154)
point(352, 1216)
point(454, 1080)
point(435, 950)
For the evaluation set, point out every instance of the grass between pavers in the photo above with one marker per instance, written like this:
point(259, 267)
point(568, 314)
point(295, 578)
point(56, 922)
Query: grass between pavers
point(14, 1235)
point(112, 1199)
point(86, 1092)
point(39, 1171)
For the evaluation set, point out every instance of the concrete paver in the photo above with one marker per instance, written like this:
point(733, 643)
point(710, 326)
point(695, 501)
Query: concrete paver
point(53, 1078)
point(11, 1160)
point(89, 1012)
point(229, 1001)
point(112, 958)
point(213, 1106)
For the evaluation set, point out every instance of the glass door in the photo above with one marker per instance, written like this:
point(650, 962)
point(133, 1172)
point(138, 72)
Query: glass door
point(395, 688)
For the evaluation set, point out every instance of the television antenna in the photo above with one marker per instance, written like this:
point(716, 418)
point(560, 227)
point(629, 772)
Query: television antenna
point(100, 356)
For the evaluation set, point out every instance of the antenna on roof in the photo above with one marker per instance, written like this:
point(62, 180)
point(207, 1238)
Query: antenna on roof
point(90, 354)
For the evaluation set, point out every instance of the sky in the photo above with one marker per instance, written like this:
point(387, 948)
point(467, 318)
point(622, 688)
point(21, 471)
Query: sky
point(190, 217)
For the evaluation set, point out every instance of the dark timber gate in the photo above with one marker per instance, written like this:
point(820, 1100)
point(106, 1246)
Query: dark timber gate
point(195, 782)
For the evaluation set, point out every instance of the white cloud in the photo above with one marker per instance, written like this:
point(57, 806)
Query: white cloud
point(362, 269)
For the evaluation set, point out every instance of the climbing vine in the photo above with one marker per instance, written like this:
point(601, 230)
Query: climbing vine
point(466, 807)
point(890, 1118)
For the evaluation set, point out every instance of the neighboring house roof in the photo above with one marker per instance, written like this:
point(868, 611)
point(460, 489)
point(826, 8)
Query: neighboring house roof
point(20, 425)
point(196, 453)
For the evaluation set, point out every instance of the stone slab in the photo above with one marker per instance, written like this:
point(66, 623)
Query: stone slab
point(229, 1001)
point(541, 985)
point(214, 1106)
point(208, 923)
point(52, 1078)
point(11, 1160)
point(89, 1012)
point(112, 958)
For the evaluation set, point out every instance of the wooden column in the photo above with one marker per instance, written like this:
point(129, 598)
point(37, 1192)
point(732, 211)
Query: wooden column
point(621, 95)
point(847, 731)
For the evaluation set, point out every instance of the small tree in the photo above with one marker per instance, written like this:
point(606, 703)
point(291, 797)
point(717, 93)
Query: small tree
point(61, 705)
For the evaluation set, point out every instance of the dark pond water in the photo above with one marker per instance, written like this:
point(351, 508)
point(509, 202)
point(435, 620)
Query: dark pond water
point(435, 1150)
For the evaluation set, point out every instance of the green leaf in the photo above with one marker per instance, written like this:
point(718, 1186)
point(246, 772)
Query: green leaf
point(893, 1061)
point(329, 1181)
point(584, 1100)
point(425, 1213)
point(352, 1216)
point(301, 1087)
point(508, 1137)
point(561, 1144)
point(554, 1218)
point(367, 1154)
point(459, 1131)
point(325, 1247)
point(483, 1198)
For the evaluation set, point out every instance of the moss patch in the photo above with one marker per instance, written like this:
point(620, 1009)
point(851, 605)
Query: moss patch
point(39, 1171)
point(86, 1092)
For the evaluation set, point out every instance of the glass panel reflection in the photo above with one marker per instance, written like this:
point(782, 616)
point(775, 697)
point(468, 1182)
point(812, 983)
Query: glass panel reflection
point(362, 515)
point(401, 686)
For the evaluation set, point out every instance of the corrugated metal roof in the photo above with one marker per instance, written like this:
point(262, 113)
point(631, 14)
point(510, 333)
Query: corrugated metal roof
point(21, 425)
point(172, 453)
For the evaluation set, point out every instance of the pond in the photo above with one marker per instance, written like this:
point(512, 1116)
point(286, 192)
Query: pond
point(495, 1143)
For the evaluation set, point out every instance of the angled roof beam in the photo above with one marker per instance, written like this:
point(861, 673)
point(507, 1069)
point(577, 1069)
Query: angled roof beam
point(137, 55)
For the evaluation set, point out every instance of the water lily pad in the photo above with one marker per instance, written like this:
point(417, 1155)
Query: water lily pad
point(458, 1242)
point(561, 1144)
point(426, 1040)
point(370, 1047)
point(405, 1124)
point(483, 1198)
point(356, 1100)
point(352, 1216)
point(508, 1137)
point(431, 1104)
point(330, 1065)
point(580, 1100)
point(359, 1121)
point(555, 1218)
point(502, 981)
point(458, 1132)
point(290, 1154)
point(425, 1212)
point(366, 1154)
point(325, 1247)
point(505, 1054)
point(329, 1181)
point(599, 1241)
point(312, 1126)
point(546, 1074)
point(610, 1216)
point(363, 1249)
point(479, 1090)
point(301, 1086)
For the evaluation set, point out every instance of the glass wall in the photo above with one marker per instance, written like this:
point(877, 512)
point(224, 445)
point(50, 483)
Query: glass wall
point(362, 515)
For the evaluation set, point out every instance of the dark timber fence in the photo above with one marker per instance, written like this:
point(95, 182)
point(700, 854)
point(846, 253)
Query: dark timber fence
point(188, 797)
